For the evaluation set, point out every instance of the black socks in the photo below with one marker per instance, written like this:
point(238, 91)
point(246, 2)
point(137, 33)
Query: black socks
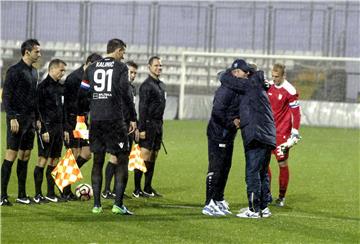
point(109, 172)
point(150, 166)
point(96, 177)
point(137, 179)
point(50, 181)
point(121, 178)
point(80, 161)
point(5, 176)
point(21, 171)
point(38, 178)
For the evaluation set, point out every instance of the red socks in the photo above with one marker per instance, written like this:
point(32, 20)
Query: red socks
point(283, 181)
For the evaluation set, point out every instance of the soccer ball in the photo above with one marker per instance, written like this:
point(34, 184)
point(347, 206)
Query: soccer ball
point(84, 192)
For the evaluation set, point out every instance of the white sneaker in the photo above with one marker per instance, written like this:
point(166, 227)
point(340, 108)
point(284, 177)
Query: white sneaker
point(248, 214)
point(23, 200)
point(280, 202)
point(224, 206)
point(212, 210)
point(266, 213)
point(52, 198)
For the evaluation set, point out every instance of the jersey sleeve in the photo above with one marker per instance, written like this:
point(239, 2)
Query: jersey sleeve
point(8, 94)
point(220, 112)
point(144, 96)
point(40, 95)
point(294, 105)
point(128, 98)
point(83, 94)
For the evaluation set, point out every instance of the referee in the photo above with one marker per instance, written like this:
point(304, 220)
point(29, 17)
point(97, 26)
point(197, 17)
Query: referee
point(152, 101)
point(19, 103)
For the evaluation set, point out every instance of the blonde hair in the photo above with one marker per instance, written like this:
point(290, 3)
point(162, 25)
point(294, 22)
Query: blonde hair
point(279, 68)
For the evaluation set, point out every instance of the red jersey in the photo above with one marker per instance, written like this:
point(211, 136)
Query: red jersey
point(285, 106)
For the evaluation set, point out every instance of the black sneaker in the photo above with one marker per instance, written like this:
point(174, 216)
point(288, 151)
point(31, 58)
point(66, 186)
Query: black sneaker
point(138, 193)
point(157, 194)
point(55, 198)
point(40, 199)
point(5, 202)
point(23, 200)
point(69, 197)
point(152, 193)
point(107, 195)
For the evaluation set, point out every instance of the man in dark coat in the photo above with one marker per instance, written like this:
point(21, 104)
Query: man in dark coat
point(259, 138)
point(221, 132)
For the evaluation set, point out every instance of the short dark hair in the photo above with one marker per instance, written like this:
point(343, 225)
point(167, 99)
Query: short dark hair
point(56, 62)
point(28, 45)
point(93, 58)
point(152, 59)
point(132, 64)
point(114, 44)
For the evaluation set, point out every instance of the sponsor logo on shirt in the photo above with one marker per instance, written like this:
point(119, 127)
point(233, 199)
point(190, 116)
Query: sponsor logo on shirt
point(101, 95)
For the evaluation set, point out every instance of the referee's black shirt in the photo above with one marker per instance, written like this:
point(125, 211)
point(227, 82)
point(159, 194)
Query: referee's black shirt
point(50, 103)
point(19, 90)
point(152, 101)
point(71, 89)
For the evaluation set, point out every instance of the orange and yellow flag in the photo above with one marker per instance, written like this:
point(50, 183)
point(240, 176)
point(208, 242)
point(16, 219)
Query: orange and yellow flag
point(135, 159)
point(81, 130)
point(66, 171)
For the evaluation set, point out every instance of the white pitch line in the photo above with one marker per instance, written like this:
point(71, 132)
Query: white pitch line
point(316, 217)
point(177, 206)
point(275, 215)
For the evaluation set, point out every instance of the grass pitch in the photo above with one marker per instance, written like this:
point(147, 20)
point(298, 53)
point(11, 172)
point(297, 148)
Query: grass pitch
point(322, 200)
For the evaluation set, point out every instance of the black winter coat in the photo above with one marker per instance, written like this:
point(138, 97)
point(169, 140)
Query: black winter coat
point(256, 118)
point(225, 109)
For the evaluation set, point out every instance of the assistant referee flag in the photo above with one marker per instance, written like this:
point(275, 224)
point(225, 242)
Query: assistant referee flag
point(66, 171)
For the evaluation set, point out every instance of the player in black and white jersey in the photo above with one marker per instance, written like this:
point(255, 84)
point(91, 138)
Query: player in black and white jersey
point(107, 82)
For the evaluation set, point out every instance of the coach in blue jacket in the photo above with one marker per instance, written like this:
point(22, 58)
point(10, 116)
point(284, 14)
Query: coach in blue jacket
point(259, 138)
point(221, 132)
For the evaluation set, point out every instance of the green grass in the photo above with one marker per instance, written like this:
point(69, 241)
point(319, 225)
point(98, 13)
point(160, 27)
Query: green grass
point(322, 200)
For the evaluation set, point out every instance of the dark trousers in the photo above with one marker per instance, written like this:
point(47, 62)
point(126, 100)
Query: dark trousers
point(257, 157)
point(220, 157)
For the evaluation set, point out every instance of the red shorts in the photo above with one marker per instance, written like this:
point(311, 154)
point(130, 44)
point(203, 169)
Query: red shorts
point(280, 139)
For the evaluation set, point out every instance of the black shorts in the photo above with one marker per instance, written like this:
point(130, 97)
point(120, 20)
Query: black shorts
point(153, 136)
point(24, 139)
point(53, 148)
point(75, 142)
point(109, 136)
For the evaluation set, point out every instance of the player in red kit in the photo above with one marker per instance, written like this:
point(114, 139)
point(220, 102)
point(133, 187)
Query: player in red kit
point(286, 110)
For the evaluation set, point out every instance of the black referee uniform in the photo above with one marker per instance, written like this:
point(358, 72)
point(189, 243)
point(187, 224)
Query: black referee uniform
point(50, 103)
point(18, 98)
point(152, 101)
